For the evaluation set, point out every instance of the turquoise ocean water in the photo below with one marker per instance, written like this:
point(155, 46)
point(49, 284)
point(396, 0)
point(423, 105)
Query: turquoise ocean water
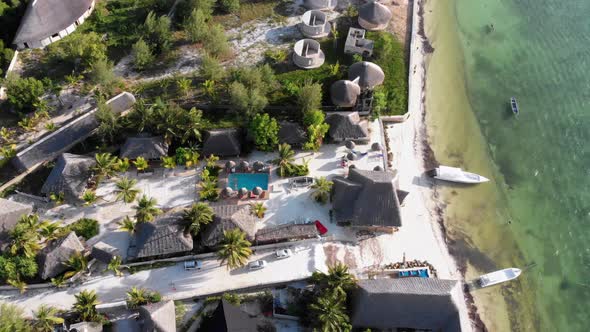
point(539, 52)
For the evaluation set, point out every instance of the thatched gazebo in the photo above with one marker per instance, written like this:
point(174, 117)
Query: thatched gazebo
point(349, 145)
point(376, 146)
point(314, 24)
point(258, 166)
point(368, 74)
point(307, 54)
point(244, 166)
point(374, 16)
point(230, 165)
point(344, 93)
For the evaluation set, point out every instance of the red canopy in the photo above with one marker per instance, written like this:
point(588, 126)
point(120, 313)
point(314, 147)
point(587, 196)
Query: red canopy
point(321, 228)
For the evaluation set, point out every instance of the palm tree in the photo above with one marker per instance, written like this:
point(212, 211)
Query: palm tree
point(85, 306)
point(192, 127)
point(24, 240)
point(184, 85)
point(208, 190)
point(127, 224)
point(198, 215)
point(49, 230)
point(105, 165)
point(258, 209)
point(77, 262)
point(211, 161)
point(125, 190)
point(18, 284)
point(330, 311)
point(235, 249)
point(285, 159)
point(89, 197)
point(115, 266)
point(338, 277)
point(122, 165)
point(140, 296)
point(141, 164)
point(322, 187)
point(146, 209)
point(46, 318)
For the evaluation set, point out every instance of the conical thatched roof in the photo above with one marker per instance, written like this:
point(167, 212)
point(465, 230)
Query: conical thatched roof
point(344, 93)
point(52, 257)
point(144, 146)
point(164, 236)
point(292, 133)
point(347, 126)
point(159, 317)
point(69, 175)
point(374, 13)
point(368, 73)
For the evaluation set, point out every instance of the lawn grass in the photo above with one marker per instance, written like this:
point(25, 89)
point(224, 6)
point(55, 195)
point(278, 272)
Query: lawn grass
point(390, 56)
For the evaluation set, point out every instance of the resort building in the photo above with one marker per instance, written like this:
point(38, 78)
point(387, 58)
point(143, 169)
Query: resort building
point(314, 24)
point(159, 317)
point(104, 252)
point(228, 217)
point(408, 303)
point(223, 142)
point(292, 133)
point(63, 139)
point(150, 148)
point(369, 75)
point(320, 4)
point(52, 258)
point(47, 21)
point(347, 126)
point(164, 237)
point(374, 16)
point(289, 232)
point(307, 54)
point(344, 93)
point(69, 176)
point(10, 213)
point(228, 317)
point(366, 199)
point(357, 44)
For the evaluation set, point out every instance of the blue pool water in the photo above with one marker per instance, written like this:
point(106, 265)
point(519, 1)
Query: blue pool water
point(248, 181)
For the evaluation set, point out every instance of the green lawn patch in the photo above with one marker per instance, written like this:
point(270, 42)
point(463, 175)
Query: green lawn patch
point(390, 56)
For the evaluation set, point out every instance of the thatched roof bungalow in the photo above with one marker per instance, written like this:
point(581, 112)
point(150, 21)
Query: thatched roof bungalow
point(47, 21)
point(289, 232)
point(374, 16)
point(344, 93)
point(150, 148)
point(222, 142)
point(160, 317)
point(292, 133)
point(69, 176)
point(366, 199)
point(347, 126)
point(228, 317)
point(228, 217)
point(409, 303)
point(163, 237)
point(369, 75)
point(52, 258)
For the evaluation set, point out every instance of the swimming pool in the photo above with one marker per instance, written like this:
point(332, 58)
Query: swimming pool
point(248, 181)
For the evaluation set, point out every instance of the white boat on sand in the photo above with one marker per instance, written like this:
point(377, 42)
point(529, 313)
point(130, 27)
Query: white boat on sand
point(455, 174)
point(497, 277)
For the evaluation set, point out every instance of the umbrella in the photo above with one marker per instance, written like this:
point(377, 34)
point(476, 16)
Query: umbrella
point(257, 191)
point(350, 145)
point(258, 165)
point(244, 165)
point(227, 191)
point(378, 168)
point(351, 156)
point(243, 191)
point(376, 146)
point(230, 164)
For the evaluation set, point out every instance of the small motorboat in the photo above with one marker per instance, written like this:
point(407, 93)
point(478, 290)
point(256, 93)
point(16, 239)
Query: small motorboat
point(514, 105)
point(455, 174)
point(498, 277)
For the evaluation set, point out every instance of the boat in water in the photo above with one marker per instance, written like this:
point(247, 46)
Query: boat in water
point(498, 277)
point(514, 105)
point(455, 174)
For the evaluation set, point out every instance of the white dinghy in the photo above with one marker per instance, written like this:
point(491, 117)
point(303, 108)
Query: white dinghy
point(455, 174)
point(498, 277)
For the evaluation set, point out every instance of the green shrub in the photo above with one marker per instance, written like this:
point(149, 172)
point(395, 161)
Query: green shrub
point(215, 42)
point(87, 48)
point(85, 227)
point(265, 131)
point(23, 93)
point(196, 26)
point(230, 6)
